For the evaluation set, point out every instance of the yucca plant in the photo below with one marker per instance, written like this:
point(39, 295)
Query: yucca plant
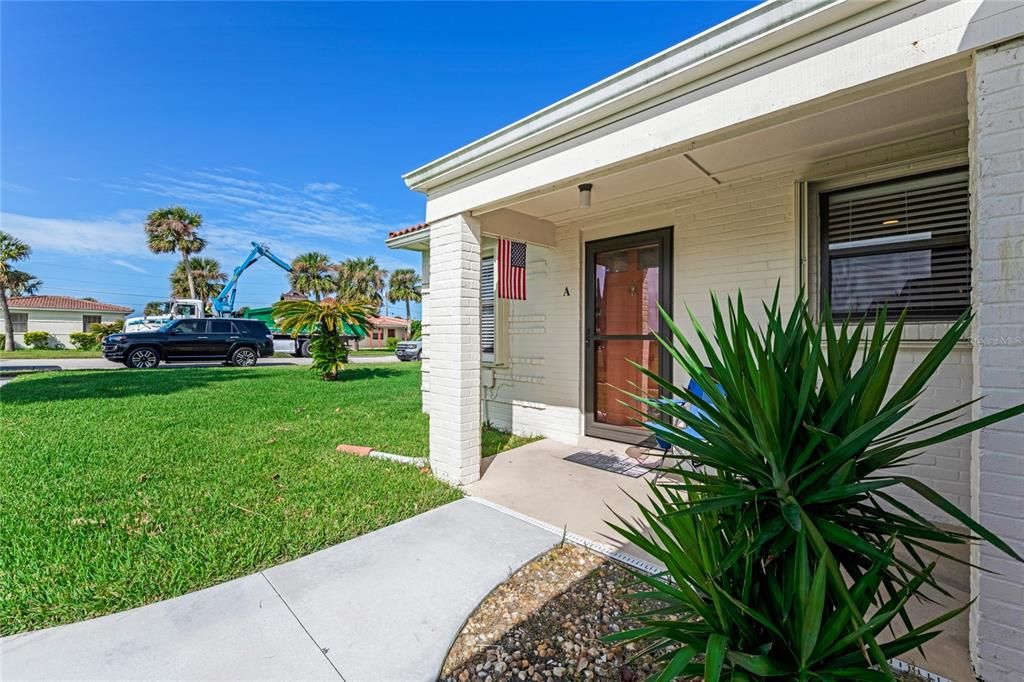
point(329, 322)
point(777, 525)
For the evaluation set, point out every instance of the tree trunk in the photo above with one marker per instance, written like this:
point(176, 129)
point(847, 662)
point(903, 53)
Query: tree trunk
point(8, 323)
point(188, 275)
point(407, 315)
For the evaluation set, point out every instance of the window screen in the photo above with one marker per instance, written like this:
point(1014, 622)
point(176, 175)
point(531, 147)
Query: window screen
point(903, 244)
point(19, 322)
point(487, 307)
point(89, 320)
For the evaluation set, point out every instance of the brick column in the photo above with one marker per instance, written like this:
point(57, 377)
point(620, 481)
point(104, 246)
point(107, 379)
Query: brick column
point(996, 112)
point(455, 349)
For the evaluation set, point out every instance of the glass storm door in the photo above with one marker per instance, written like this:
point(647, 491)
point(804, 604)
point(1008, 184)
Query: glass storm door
point(626, 279)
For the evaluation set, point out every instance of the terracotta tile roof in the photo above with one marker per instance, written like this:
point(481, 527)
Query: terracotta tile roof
point(65, 303)
point(389, 322)
point(407, 230)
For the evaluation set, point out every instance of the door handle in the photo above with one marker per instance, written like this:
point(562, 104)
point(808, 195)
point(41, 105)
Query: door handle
point(201, 337)
point(232, 338)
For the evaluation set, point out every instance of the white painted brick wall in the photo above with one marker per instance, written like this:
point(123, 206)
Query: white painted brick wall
point(740, 236)
point(455, 349)
point(425, 333)
point(997, 472)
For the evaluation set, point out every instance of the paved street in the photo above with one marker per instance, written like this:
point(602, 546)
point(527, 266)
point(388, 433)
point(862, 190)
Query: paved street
point(100, 363)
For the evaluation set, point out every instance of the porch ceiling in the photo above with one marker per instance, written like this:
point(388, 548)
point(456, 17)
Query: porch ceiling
point(790, 144)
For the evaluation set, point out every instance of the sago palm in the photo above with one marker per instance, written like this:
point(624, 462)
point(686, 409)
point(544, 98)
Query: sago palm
point(207, 277)
point(311, 274)
point(778, 525)
point(329, 323)
point(404, 285)
point(13, 282)
point(176, 230)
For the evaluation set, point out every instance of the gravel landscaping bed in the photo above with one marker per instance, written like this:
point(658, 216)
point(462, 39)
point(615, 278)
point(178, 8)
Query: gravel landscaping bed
point(546, 622)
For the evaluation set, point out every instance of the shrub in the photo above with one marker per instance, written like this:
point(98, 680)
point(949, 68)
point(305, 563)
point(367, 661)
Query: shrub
point(392, 343)
point(777, 527)
point(40, 340)
point(328, 321)
point(415, 330)
point(100, 330)
point(84, 341)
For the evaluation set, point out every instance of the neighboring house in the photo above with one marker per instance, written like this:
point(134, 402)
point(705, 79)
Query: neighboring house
point(60, 316)
point(382, 329)
point(871, 149)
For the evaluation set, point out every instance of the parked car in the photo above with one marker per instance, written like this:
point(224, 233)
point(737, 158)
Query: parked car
point(233, 341)
point(409, 350)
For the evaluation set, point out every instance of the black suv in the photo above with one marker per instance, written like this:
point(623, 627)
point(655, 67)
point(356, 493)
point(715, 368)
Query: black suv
point(238, 342)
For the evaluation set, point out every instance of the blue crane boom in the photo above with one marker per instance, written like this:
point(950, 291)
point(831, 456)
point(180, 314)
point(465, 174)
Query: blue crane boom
point(224, 302)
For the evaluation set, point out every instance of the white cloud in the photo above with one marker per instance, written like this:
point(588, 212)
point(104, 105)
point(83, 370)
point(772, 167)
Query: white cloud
point(238, 206)
point(130, 266)
point(321, 187)
point(120, 235)
point(254, 204)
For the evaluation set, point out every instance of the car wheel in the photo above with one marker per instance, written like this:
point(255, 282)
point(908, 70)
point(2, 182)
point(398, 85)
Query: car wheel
point(304, 350)
point(143, 358)
point(243, 357)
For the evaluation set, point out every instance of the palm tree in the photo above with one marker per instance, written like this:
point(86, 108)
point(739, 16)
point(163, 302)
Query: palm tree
point(311, 274)
point(404, 285)
point(13, 282)
point(155, 308)
point(361, 278)
point(328, 322)
point(207, 279)
point(176, 230)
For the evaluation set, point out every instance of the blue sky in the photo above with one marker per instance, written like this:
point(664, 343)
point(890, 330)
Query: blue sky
point(289, 123)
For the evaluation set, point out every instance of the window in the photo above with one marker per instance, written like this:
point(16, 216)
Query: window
point(88, 320)
point(222, 327)
point(488, 324)
point(19, 322)
point(191, 327)
point(902, 244)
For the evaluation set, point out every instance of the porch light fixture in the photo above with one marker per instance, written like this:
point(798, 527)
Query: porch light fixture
point(585, 194)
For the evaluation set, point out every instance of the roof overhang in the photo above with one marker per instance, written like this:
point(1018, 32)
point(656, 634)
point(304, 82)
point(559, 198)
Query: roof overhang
point(767, 31)
point(69, 310)
point(417, 239)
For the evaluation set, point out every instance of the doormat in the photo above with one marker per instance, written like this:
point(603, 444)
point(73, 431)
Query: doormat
point(606, 462)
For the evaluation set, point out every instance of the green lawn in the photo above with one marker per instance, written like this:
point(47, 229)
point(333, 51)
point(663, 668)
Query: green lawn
point(494, 441)
point(35, 354)
point(124, 487)
point(372, 351)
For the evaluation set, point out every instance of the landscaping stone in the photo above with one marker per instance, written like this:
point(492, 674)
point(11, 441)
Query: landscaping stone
point(546, 623)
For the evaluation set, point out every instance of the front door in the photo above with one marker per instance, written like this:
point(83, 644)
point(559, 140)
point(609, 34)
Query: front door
point(626, 279)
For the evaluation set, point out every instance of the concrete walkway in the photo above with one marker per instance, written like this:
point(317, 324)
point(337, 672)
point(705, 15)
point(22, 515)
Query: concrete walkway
point(384, 606)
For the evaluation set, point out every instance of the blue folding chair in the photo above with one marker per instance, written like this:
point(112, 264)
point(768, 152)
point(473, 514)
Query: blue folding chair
point(657, 428)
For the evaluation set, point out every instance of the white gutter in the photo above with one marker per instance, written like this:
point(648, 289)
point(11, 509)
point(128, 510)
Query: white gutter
point(758, 30)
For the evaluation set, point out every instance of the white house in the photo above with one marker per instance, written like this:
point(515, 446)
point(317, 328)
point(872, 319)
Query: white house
point(794, 143)
point(60, 316)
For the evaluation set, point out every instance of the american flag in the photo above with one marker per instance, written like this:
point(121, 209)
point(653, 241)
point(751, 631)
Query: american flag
point(511, 269)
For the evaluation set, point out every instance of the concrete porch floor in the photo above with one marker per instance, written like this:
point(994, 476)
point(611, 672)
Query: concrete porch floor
point(535, 480)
